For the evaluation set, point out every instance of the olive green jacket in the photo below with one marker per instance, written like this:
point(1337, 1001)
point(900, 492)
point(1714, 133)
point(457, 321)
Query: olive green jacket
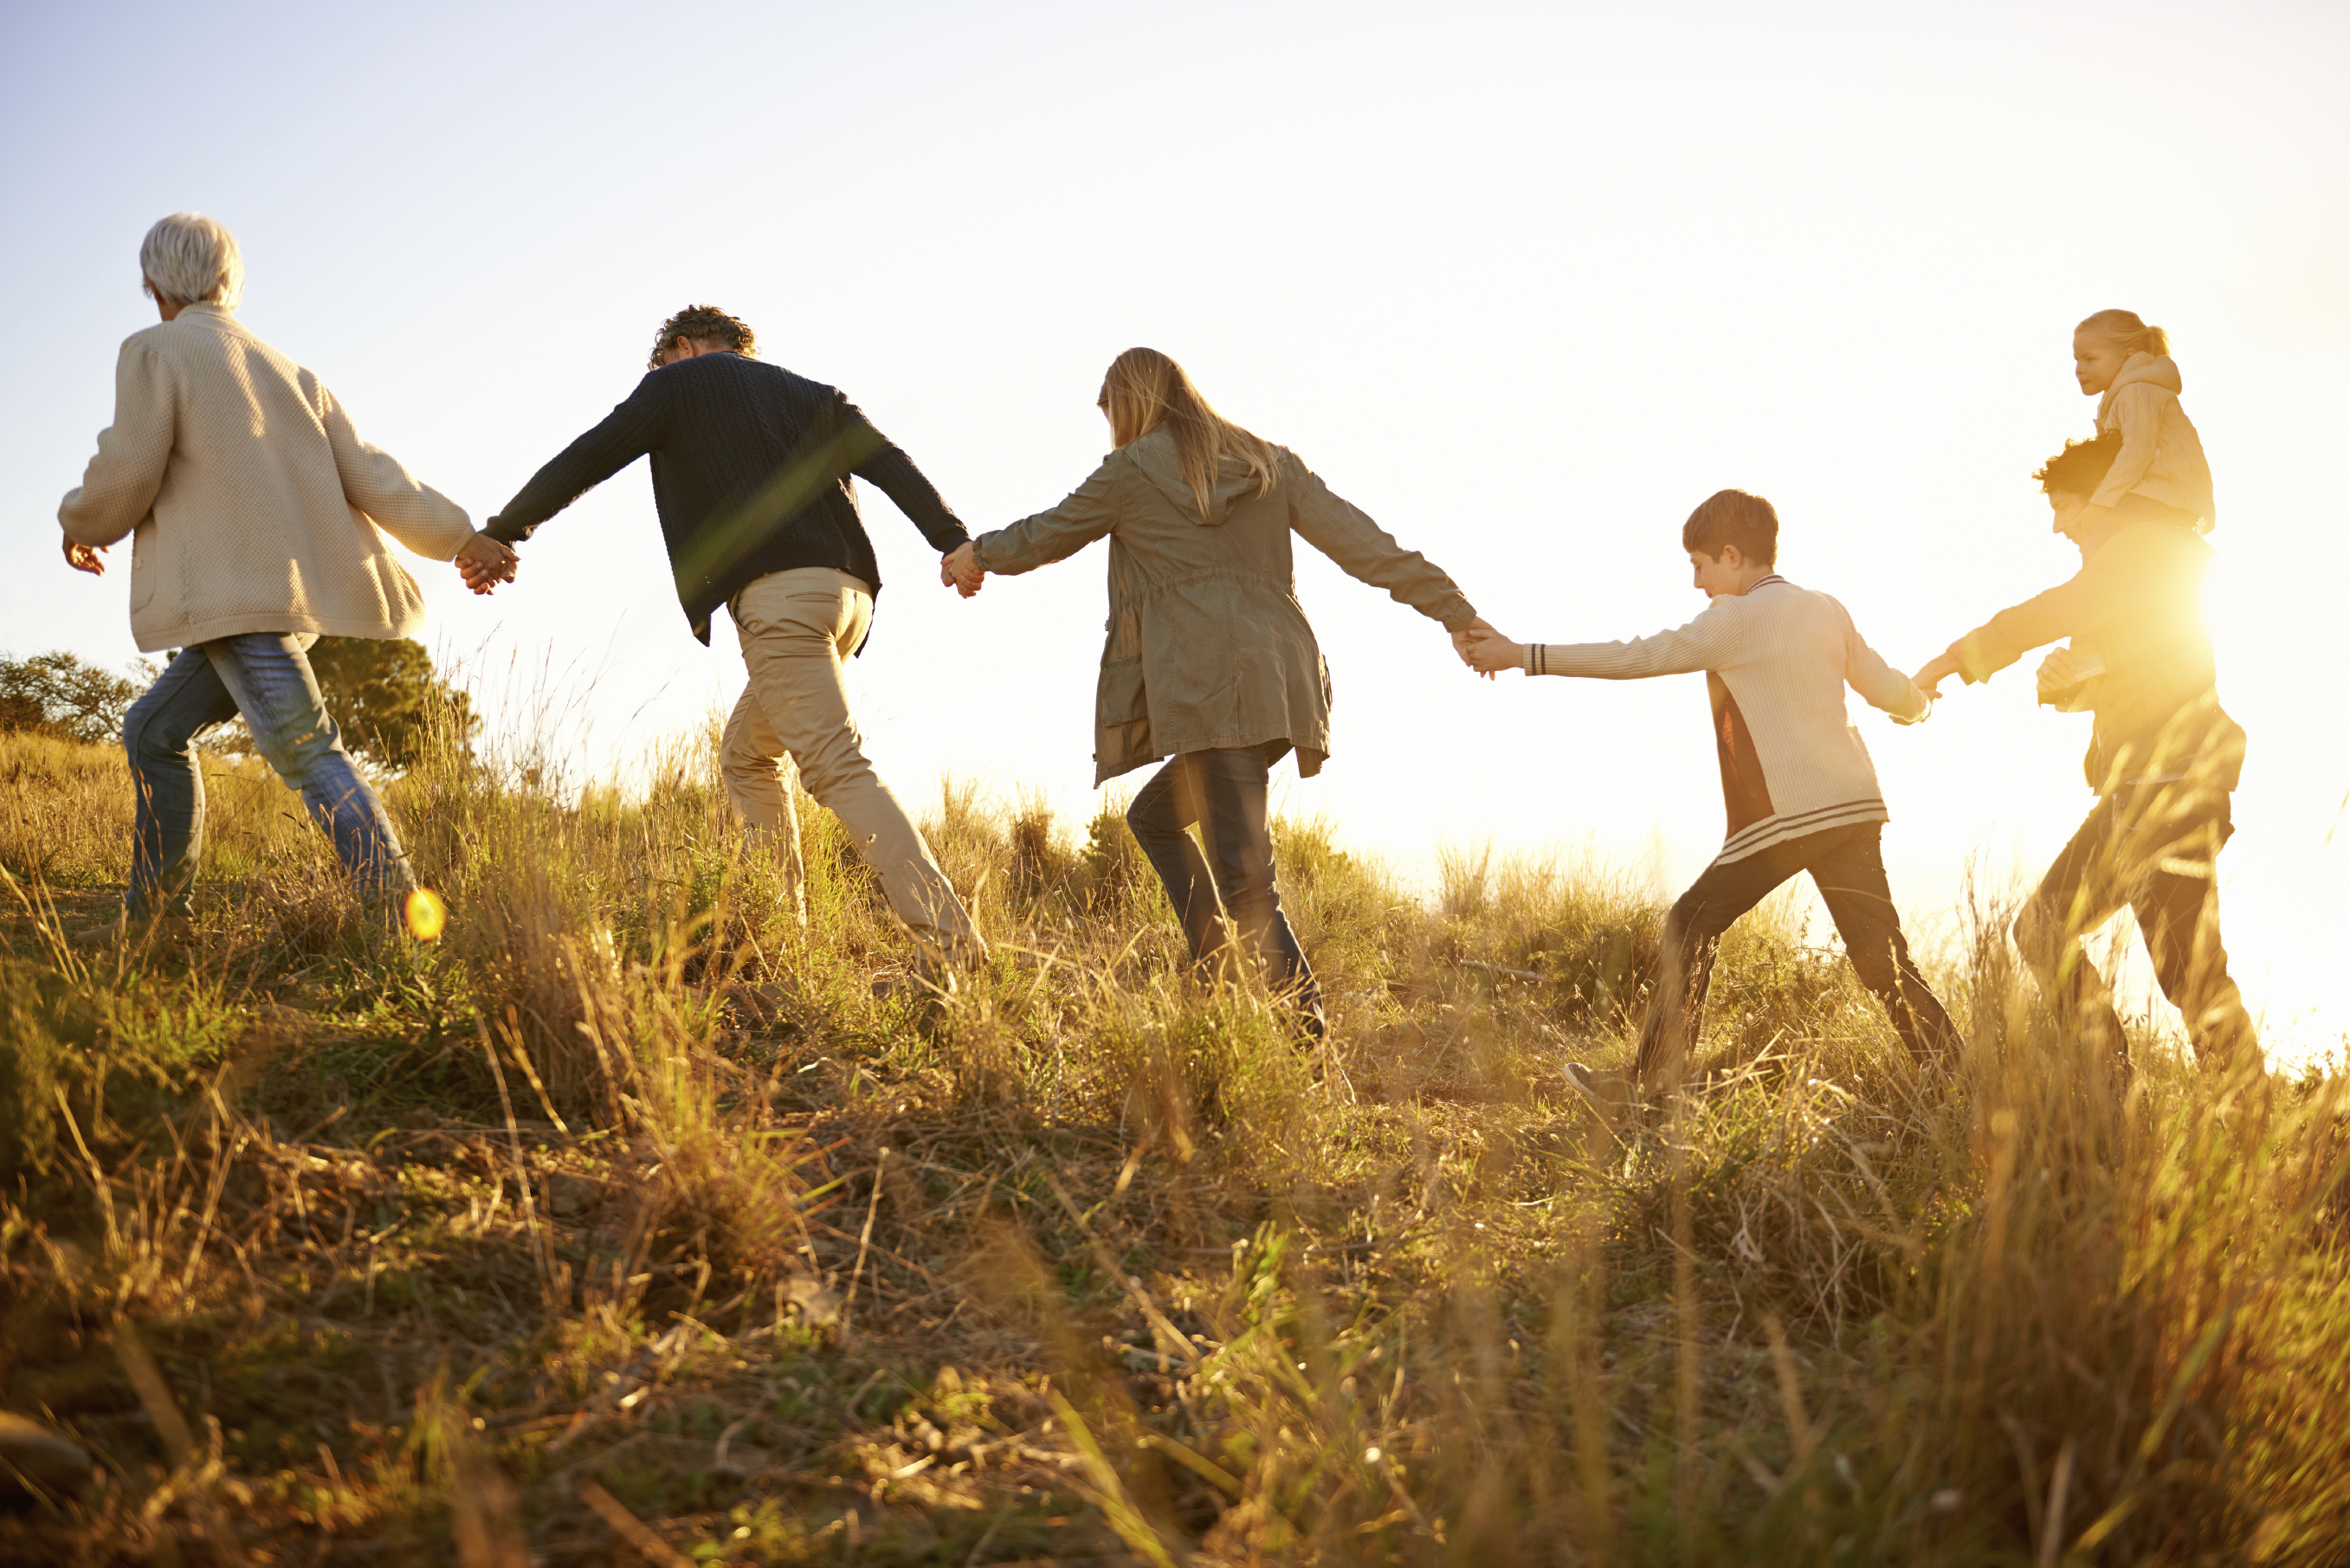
point(1208, 646)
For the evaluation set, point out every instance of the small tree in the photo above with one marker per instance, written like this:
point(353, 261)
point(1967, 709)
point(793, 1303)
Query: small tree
point(386, 698)
point(56, 694)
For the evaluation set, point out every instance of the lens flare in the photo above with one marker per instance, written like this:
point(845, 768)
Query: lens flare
point(426, 915)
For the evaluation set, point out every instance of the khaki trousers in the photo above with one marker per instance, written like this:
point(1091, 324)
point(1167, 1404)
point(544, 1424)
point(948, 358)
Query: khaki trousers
point(796, 628)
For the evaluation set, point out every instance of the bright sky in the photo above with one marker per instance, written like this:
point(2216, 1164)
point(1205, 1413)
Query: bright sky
point(1525, 283)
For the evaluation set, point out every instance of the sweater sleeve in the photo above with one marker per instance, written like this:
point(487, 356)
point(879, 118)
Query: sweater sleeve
point(1706, 643)
point(626, 433)
point(893, 474)
point(379, 484)
point(1880, 684)
point(118, 490)
point(1090, 512)
point(2137, 413)
point(1366, 552)
point(2112, 582)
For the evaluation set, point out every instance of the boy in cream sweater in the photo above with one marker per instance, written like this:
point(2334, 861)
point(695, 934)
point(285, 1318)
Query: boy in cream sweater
point(1801, 791)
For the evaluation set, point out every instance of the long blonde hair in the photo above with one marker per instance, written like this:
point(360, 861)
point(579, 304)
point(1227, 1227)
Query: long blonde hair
point(2124, 328)
point(1145, 390)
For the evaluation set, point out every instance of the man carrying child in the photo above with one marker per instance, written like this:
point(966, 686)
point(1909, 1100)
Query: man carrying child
point(1801, 790)
point(2163, 756)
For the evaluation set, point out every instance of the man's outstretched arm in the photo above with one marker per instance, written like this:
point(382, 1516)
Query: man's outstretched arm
point(882, 465)
point(626, 435)
point(2119, 577)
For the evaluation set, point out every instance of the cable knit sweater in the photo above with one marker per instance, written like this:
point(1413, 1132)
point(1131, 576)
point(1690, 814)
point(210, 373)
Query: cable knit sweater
point(252, 502)
point(751, 475)
point(2162, 457)
point(1776, 659)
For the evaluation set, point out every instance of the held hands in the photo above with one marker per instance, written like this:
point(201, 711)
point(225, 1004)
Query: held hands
point(1487, 652)
point(1933, 672)
point(485, 563)
point(84, 557)
point(960, 569)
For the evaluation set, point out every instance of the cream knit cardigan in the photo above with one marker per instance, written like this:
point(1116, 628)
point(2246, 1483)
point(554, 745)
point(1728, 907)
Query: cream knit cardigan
point(254, 503)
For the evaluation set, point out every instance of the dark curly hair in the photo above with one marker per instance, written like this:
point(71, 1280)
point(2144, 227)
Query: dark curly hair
point(1735, 517)
point(707, 324)
point(2081, 466)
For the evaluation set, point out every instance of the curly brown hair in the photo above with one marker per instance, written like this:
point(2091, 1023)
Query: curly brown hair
point(703, 324)
point(2081, 466)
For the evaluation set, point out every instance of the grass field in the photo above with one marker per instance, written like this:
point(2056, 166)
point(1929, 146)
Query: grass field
point(624, 1223)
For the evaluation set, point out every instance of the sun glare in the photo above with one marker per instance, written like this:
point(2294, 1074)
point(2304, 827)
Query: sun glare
point(426, 915)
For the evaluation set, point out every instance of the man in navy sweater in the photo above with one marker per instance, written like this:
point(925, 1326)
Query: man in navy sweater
point(751, 471)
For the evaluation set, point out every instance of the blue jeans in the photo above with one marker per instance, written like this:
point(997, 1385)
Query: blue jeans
point(265, 677)
point(1224, 792)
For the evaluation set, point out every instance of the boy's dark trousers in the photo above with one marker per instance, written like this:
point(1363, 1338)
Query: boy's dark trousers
point(2152, 847)
point(1849, 870)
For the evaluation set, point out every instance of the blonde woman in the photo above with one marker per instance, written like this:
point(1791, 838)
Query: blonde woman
point(258, 518)
point(1210, 662)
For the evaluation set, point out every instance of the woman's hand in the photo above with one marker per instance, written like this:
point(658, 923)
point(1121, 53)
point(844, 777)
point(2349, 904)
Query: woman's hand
point(960, 569)
point(1933, 672)
point(84, 557)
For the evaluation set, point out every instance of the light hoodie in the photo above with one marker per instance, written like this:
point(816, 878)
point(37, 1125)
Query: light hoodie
point(252, 504)
point(1777, 660)
point(2161, 456)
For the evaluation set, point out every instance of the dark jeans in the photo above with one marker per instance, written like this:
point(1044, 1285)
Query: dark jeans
point(1849, 870)
point(2154, 848)
point(266, 677)
point(1222, 792)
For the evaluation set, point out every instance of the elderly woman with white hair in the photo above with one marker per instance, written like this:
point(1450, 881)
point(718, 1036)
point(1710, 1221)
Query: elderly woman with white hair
point(257, 518)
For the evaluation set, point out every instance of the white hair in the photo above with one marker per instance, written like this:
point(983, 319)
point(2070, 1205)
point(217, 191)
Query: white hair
point(192, 259)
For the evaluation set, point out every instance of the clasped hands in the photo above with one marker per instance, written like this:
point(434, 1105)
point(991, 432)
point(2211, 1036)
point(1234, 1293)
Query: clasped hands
point(485, 563)
point(1933, 672)
point(960, 569)
point(1487, 652)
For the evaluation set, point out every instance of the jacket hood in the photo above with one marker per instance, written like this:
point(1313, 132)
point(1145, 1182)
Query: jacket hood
point(2154, 369)
point(1154, 454)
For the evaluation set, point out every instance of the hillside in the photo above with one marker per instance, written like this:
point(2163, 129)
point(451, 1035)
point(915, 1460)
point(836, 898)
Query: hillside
point(625, 1222)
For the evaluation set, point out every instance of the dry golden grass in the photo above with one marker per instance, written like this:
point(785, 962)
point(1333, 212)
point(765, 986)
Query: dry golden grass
point(625, 1224)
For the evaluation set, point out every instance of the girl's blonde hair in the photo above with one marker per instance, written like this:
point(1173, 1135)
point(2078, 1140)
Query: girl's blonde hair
point(2124, 328)
point(1145, 390)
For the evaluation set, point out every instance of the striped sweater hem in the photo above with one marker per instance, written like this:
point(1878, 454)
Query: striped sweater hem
point(1778, 829)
